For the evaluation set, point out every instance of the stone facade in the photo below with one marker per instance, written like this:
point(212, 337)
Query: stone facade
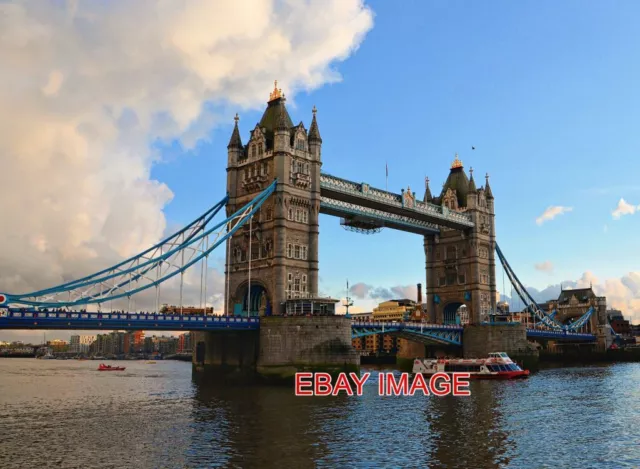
point(482, 339)
point(288, 345)
point(460, 265)
point(283, 235)
point(574, 303)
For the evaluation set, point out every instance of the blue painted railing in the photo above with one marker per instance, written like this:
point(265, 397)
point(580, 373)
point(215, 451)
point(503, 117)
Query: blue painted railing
point(30, 319)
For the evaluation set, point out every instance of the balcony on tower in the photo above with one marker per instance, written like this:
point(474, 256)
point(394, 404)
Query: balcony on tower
point(299, 174)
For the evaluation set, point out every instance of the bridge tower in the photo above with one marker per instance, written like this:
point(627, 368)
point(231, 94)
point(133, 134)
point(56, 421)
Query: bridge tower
point(282, 239)
point(461, 265)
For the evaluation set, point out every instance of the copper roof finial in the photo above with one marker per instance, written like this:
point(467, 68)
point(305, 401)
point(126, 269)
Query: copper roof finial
point(426, 181)
point(236, 118)
point(314, 110)
point(276, 93)
point(456, 162)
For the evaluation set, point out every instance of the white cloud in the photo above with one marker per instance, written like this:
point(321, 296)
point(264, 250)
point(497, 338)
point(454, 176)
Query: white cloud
point(85, 90)
point(624, 208)
point(546, 266)
point(552, 212)
point(622, 293)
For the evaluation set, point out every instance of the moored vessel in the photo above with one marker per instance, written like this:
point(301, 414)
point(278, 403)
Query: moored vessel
point(103, 367)
point(497, 365)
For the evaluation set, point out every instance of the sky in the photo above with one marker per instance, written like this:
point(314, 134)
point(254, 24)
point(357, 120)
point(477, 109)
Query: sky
point(114, 121)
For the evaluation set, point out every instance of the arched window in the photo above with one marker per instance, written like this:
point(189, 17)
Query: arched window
point(260, 149)
point(253, 151)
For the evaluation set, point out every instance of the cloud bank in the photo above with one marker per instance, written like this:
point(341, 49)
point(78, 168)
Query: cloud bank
point(622, 293)
point(362, 291)
point(88, 89)
point(552, 212)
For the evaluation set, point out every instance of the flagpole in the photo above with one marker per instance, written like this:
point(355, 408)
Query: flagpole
point(386, 179)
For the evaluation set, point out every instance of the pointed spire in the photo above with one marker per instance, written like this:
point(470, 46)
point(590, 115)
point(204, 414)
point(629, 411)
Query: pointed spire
point(487, 188)
point(235, 141)
point(472, 183)
point(314, 132)
point(281, 120)
point(427, 192)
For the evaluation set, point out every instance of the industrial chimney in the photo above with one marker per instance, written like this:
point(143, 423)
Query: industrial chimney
point(419, 293)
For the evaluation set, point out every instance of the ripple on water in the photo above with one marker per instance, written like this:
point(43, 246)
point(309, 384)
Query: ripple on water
point(65, 414)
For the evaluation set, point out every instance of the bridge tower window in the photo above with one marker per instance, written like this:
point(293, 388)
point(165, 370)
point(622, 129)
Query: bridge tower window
point(296, 251)
point(451, 253)
point(260, 149)
point(289, 250)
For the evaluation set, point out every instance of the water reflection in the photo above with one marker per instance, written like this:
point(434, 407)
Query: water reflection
point(469, 431)
point(241, 426)
point(66, 414)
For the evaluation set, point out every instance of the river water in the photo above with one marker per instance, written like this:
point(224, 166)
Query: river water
point(56, 413)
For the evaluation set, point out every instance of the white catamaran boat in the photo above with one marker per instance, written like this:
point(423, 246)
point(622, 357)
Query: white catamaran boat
point(497, 366)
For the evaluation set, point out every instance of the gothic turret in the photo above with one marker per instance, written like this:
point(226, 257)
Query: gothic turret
point(472, 192)
point(487, 188)
point(314, 139)
point(276, 115)
point(457, 182)
point(314, 132)
point(235, 141)
point(428, 198)
point(472, 184)
point(235, 149)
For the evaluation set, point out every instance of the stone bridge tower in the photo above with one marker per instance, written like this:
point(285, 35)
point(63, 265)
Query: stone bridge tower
point(283, 242)
point(461, 265)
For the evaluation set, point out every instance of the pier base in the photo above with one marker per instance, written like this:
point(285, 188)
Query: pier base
point(291, 344)
point(229, 355)
point(408, 351)
point(282, 347)
point(478, 340)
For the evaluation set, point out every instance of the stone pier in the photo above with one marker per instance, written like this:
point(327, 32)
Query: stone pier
point(282, 347)
point(478, 340)
point(289, 345)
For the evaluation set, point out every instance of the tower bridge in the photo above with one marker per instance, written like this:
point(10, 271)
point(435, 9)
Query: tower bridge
point(275, 193)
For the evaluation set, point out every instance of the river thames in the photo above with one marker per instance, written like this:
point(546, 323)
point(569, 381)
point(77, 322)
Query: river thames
point(56, 413)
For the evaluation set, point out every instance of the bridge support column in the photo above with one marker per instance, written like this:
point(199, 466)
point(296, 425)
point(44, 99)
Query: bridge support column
point(289, 345)
point(478, 340)
point(604, 337)
point(407, 352)
point(226, 354)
